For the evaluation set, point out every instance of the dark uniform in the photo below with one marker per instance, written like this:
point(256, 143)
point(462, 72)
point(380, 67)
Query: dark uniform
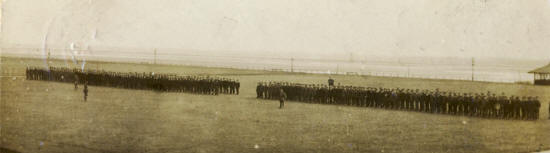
point(259, 90)
point(282, 98)
point(75, 82)
point(430, 101)
point(85, 91)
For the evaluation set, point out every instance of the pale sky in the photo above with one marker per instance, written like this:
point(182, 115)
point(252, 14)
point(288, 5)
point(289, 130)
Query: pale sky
point(287, 28)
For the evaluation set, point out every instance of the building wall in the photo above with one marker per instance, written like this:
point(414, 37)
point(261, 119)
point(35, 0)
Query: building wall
point(542, 82)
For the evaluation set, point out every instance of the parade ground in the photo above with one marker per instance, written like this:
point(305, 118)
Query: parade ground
point(40, 116)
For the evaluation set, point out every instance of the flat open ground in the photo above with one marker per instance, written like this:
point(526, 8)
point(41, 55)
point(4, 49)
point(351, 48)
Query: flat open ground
point(37, 116)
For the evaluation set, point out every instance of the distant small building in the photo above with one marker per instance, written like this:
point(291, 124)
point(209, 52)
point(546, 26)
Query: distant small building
point(542, 75)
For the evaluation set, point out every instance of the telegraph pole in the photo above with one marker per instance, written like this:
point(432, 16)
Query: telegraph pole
point(519, 75)
point(473, 64)
point(155, 60)
point(408, 71)
point(292, 64)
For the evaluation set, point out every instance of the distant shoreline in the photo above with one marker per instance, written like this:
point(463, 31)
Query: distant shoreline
point(266, 71)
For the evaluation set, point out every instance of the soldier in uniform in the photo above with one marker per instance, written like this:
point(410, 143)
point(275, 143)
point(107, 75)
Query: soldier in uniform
point(85, 91)
point(516, 104)
point(282, 98)
point(237, 86)
point(523, 107)
point(330, 82)
point(75, 82)
point(537, 108)
point(259, 90)
point(424, 101)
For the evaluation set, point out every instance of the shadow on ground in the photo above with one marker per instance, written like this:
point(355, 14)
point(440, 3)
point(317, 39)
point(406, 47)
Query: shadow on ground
point(6, 150)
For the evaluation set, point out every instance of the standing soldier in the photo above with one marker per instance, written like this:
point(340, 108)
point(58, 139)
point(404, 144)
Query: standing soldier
point(537, 108)
point(238, 84)
point(282, 97)
point(259, 90)
point(27, 73)
point(85, 91)
point(330, 82)
point(75, 82)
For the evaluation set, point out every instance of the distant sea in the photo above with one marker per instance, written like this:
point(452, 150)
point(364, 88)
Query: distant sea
point(483, 69)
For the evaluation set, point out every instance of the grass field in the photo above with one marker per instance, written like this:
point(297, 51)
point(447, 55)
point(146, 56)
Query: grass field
point(37, 116)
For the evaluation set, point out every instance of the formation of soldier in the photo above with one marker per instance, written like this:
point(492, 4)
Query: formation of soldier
point(487, 105)
point(146, 81)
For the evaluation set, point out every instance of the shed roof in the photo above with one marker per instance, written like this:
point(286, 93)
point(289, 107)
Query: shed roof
point(544, 69)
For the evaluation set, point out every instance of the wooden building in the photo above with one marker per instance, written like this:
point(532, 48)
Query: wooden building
point(542, 75)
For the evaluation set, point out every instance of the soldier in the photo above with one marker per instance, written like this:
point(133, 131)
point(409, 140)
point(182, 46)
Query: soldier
point(523, 107)
point(516, 104)
point(282, 98)
point(502, 106)
point(259, 89)
point(416, 100)
point(432, 98)
point(530, 108)
point(507, 107)
point(85, 91)
point(330, 82)
point(27, 73)
point(536, 108)
point(425, 100)
point(474, 104)
point(75, 82)
point(238, 86)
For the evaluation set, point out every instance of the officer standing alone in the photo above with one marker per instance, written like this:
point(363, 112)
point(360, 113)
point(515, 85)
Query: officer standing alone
point(330, 82)
point(75, 82)
point(282, 98)
point(85, 91)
